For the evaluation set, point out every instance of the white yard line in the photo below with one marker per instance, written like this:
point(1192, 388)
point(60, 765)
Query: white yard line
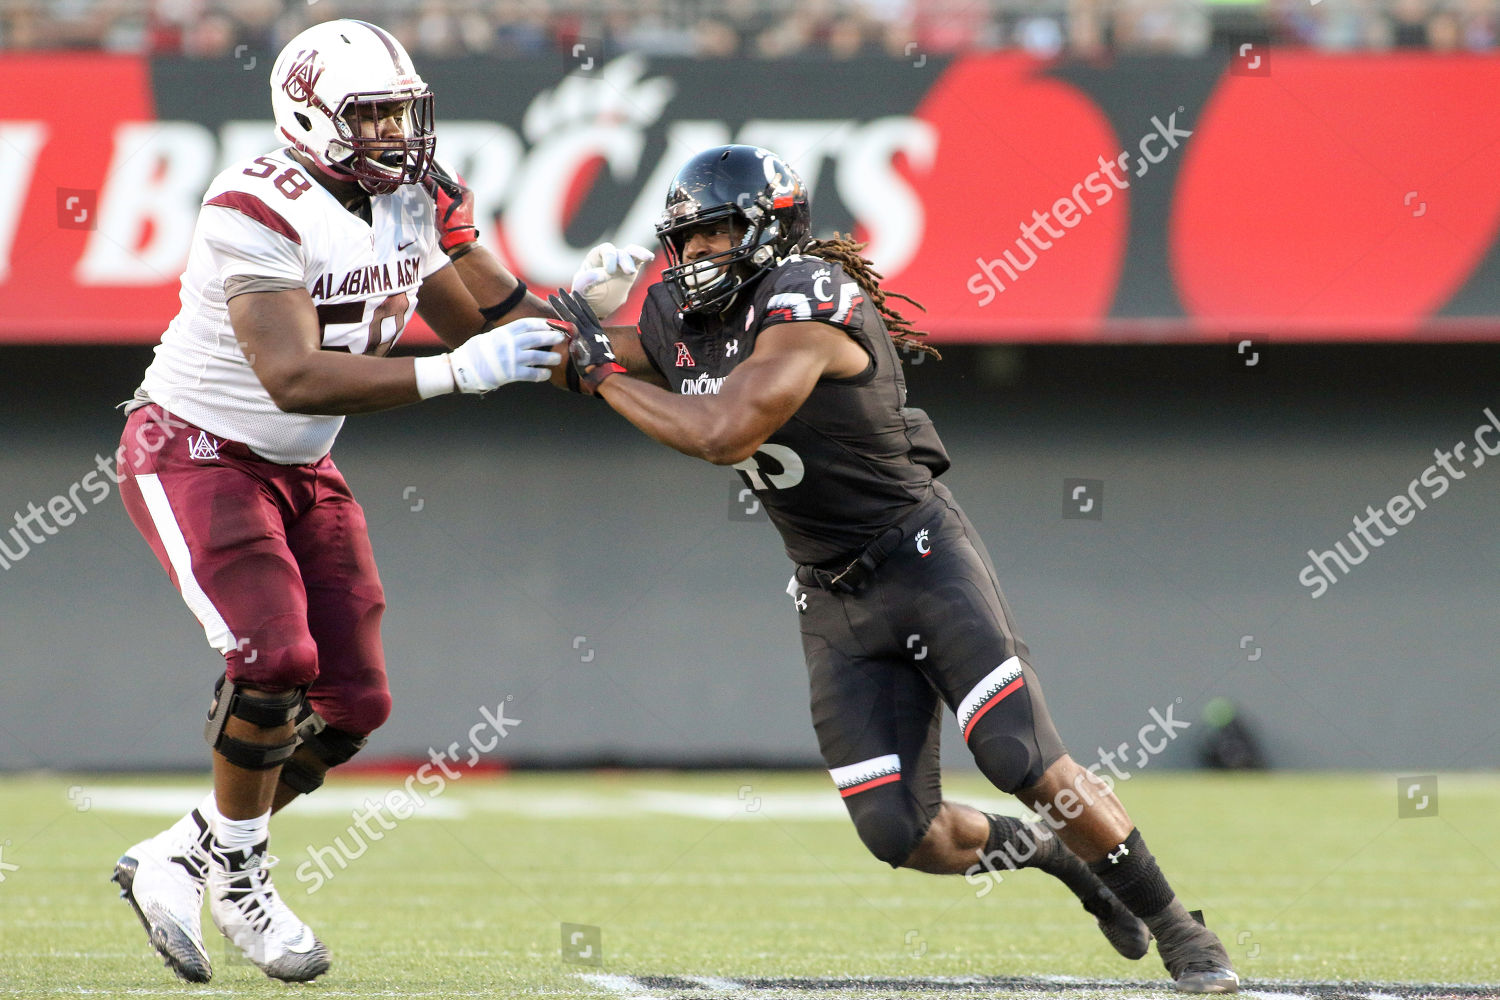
point(331, 800)
point(746, 803)
point(623, 986)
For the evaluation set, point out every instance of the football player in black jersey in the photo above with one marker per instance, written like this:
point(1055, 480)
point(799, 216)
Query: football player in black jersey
point(766, 350)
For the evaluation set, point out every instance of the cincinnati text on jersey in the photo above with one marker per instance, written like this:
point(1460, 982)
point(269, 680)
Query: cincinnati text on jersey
point(704, 385)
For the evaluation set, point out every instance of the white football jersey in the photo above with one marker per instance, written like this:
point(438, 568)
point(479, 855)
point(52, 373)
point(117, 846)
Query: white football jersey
point(268, 218)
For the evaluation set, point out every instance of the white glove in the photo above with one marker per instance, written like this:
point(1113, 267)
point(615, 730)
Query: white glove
point(607, 273)
point(506, 354)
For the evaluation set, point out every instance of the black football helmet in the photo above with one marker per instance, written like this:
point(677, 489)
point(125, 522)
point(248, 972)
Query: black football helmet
point(747, 185)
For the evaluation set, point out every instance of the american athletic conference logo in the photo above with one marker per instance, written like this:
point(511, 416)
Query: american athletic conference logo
point(302, 77)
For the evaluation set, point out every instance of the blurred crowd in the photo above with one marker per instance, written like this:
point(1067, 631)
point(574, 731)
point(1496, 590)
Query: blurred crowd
point(769, 29)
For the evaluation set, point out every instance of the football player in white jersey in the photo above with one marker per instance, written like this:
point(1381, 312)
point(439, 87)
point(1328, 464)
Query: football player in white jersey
point(305, 267)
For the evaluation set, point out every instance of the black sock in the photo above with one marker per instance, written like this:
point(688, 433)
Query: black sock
point(1014, 844)
point(1132, 874)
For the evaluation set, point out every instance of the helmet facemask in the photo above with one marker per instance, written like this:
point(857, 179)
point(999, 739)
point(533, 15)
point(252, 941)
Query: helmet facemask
point(382, 163)
point(700, 285)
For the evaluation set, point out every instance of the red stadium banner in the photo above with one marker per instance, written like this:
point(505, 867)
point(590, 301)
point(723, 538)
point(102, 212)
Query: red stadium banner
point(1290, 194)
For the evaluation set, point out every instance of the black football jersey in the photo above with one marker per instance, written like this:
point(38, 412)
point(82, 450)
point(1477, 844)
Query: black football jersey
point(854, 458)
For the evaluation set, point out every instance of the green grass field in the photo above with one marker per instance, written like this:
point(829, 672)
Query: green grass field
point(755, 876)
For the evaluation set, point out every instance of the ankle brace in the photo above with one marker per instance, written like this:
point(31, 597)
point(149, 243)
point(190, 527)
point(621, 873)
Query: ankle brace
point(1131, 873)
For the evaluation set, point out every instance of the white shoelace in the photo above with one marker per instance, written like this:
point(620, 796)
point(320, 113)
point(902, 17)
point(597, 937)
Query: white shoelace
point(256, 902)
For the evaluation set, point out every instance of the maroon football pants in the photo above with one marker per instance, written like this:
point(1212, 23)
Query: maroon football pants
point(274, 560)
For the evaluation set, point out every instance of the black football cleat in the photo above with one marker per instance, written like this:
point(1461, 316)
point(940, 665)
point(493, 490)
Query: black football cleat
point(1122, 929)
point(1213, 979)
point(1193, 954)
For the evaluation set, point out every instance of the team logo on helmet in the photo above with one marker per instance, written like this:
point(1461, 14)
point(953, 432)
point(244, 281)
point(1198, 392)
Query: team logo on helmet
point(302, 78)
point(746, 189)
point(784, 185)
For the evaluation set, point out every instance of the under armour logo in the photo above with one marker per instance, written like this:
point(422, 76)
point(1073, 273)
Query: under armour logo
point(801, 601)
point(203, 447)
point(1118, 853)
point(731, 349)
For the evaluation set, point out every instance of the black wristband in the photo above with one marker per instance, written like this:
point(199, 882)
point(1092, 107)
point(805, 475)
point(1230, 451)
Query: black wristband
point(461, 249)
point(598, 374)
point(493, 313)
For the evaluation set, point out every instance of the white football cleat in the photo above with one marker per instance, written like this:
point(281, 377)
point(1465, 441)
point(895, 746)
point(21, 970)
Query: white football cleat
point(162, 878)
point(247, 909)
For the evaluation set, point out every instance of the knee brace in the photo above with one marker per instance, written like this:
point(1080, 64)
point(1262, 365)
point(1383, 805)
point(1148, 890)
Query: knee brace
point(328, 745)
point(259, 708)
point(889, 822)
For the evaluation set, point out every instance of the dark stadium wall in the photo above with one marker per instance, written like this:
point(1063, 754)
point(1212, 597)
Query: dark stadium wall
point(547, 564)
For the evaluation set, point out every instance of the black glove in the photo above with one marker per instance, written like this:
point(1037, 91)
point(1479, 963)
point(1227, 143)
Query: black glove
point(592, 358)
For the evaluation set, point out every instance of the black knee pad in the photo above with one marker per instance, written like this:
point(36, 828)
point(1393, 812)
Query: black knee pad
point(265, 709)
point(331, 747)
point(889, 821)
point(1010, 733)
point(1010, 764)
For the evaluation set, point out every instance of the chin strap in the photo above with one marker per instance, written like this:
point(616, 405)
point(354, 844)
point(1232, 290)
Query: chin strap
point(335, 171)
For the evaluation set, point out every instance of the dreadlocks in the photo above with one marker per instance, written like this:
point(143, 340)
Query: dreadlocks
point(843, 250)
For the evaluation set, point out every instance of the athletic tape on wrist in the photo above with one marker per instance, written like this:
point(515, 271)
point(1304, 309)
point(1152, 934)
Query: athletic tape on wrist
point(434, 376)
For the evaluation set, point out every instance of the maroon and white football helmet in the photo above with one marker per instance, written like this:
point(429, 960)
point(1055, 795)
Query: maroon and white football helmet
point(331, 88)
